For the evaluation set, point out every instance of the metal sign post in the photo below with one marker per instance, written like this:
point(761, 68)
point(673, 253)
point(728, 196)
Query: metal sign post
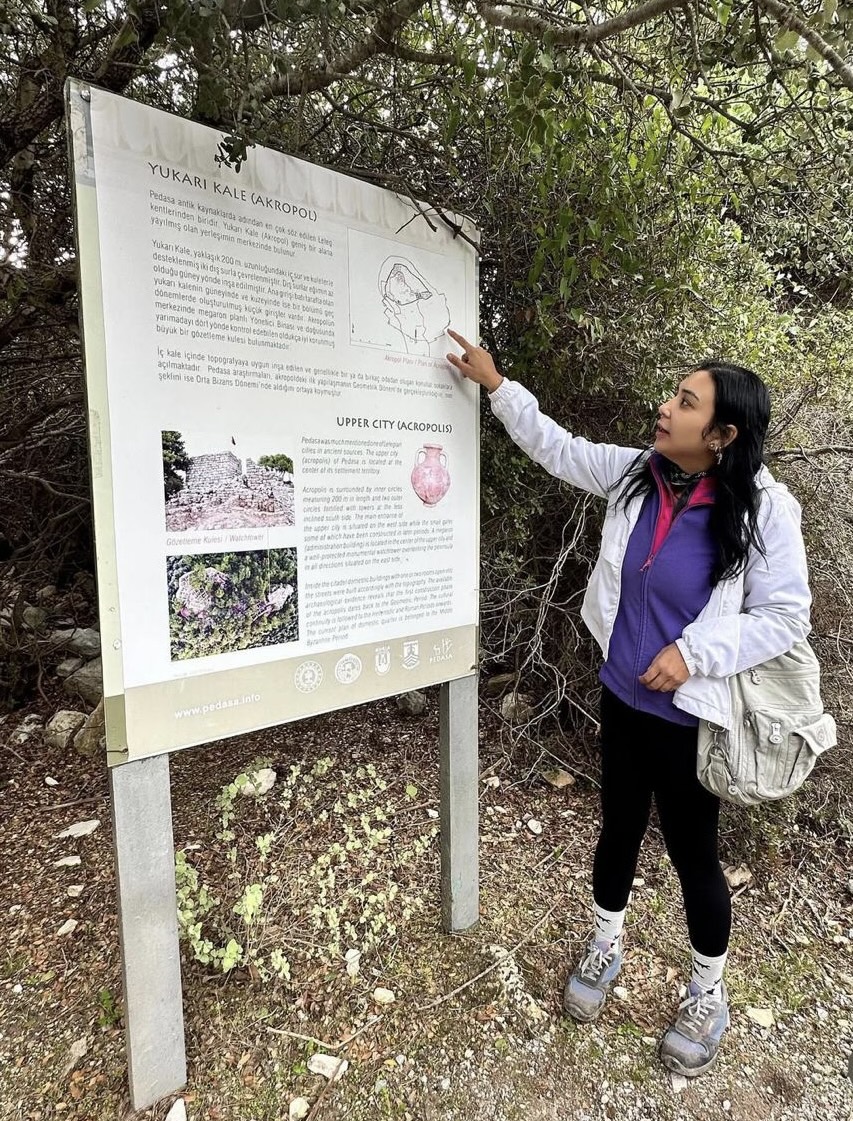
point(147, 908)
point(148, 929)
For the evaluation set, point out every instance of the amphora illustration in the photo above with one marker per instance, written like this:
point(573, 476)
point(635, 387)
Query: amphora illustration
point(430, 477)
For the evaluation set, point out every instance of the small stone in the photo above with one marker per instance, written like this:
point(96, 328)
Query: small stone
point(727, 1105)
point(87, 682)
point(638, 881)
point(558, 778)
point(79, 829)
point(678, 1082)
point(74, 891)
point(67, 927)
point(352, 958)
point(25, 730)
point(445, 1084)
point(34, 617)
point(48, 781)
point(76, 1052)
point(499, 684)
point(178, 1112)
point(260, 782)
point(736, 877)
point(90, 739)
point(84, 642)
point(61, 729)
point(433, 814)
point(46, 593)
point(298, 1109)
point(492, 782)
point(328, 1065)
point(68, 666)
point(534, 826)
point(620, 992)
point(516, 706)
point(17, 988)
point(384, 996)
point(67, 862)
point(412, 703)
point(762, 1016)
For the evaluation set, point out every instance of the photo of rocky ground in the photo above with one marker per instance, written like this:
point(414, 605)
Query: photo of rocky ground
point(220, 602)
point(224, 490)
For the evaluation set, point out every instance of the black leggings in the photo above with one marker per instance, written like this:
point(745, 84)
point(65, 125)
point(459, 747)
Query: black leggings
point(643, 755)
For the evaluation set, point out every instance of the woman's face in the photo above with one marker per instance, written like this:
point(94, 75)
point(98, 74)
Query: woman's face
point(682, 430)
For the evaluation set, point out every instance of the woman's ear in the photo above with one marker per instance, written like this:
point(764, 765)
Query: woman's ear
point(728, 434)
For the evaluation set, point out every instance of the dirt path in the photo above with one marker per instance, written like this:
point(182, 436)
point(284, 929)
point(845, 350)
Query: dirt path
point(498, 1050)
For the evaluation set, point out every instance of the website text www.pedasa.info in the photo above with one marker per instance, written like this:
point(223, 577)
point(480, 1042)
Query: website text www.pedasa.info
point(225, 702)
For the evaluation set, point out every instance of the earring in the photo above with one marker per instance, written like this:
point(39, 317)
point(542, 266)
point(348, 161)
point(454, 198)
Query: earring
point(718, 452)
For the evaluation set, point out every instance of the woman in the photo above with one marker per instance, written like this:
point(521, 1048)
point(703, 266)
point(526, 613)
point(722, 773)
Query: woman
point(701, 574)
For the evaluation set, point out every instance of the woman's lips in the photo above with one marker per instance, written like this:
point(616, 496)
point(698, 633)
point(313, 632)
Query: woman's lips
point(660, 431)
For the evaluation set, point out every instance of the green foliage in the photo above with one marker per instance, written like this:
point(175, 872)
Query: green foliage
point(231, 601)
point(277, 462)
point(109, 1013)
point(175, 459)
point(347, 885)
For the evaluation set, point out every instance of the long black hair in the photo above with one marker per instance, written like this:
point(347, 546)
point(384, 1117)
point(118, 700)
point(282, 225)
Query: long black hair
point(740, 399)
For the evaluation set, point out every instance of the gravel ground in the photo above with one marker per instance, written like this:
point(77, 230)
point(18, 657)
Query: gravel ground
point(448, 1047)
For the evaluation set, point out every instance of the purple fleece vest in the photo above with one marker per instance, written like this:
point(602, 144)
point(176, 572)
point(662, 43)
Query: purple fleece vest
point(666, 581)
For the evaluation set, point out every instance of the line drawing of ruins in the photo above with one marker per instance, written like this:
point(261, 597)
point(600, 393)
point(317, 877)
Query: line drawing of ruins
point(411, 305)
point(223, 491)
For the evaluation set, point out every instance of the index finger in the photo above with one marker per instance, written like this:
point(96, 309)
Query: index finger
point(463, 342)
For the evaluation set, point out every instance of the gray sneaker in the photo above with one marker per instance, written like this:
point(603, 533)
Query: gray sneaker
point(587, 987)
point(690, 1046)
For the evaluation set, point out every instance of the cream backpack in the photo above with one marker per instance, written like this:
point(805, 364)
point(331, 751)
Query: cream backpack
point(779, 729)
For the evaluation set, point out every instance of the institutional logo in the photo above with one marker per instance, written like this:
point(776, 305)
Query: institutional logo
point(382, 659)
point(308, 677)
point(442, 651)
point(348, 669)
point(411, 654)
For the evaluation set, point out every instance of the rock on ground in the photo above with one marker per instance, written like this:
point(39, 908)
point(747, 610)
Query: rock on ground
point(61, 729)
point(89, 740)
point(412, 703)
point(87, 682)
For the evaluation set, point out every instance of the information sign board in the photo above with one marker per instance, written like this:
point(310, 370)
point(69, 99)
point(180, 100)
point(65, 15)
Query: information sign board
point(284, 465)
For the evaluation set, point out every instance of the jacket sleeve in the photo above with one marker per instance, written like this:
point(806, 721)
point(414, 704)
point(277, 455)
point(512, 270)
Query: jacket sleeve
point(591, 466)
point(775, 611)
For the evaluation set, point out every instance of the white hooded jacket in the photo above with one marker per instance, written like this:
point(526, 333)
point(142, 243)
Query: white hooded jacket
point(754, 616)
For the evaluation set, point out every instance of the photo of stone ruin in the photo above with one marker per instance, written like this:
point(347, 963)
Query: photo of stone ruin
point(224, 490)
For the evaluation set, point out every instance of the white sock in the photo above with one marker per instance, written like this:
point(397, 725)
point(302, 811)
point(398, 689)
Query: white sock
point(707, 972)
point(608, 924)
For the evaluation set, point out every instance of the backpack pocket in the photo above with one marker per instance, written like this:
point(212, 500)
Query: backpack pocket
point(786, 749)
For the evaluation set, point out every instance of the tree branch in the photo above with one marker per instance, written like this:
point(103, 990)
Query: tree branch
point(497, 16)
point(842, 449)
point(787, 17)
point(380, 40)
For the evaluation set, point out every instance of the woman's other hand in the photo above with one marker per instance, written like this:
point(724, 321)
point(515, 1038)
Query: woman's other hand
point(667, 671)
point(475, 363)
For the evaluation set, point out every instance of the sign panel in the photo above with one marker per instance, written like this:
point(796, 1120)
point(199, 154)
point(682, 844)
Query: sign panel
point(284, 465)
